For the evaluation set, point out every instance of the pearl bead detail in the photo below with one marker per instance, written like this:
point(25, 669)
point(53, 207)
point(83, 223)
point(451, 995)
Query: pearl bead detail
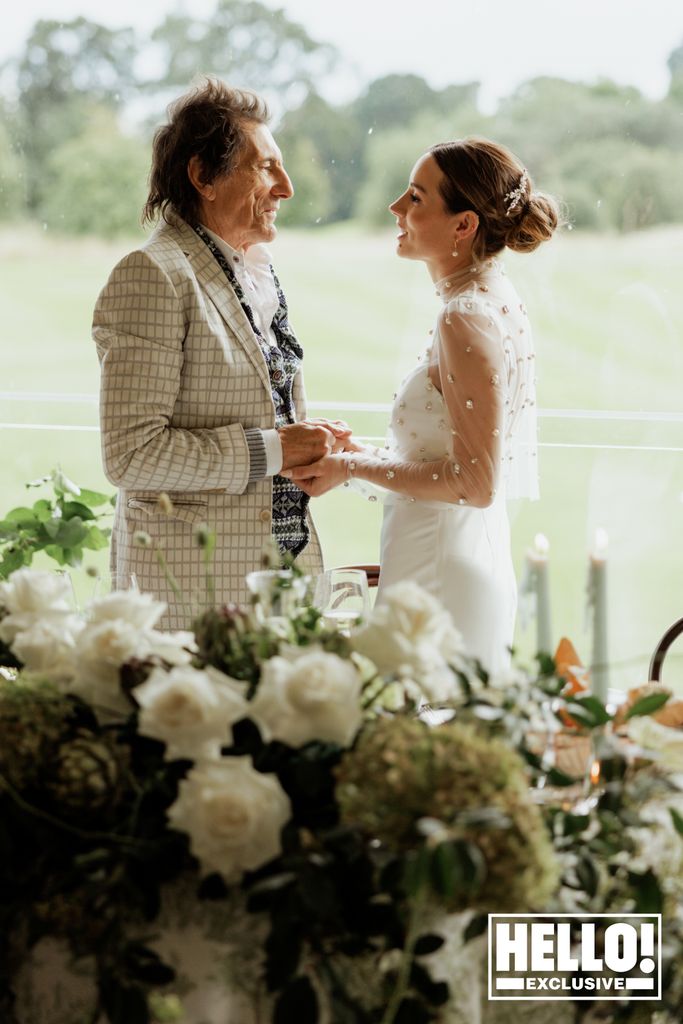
point(390, 474)
point(469, 403)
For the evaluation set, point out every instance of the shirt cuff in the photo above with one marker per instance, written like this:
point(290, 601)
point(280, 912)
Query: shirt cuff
point(265, 453)
point(274, 457)
point(258, 462)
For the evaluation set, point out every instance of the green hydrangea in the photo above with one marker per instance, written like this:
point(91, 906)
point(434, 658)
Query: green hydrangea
point(402, 771)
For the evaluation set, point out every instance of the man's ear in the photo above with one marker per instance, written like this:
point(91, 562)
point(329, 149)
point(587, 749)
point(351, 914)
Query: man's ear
point(194, 173)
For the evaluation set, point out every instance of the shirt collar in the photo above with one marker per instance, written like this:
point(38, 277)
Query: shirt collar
point(255, 254)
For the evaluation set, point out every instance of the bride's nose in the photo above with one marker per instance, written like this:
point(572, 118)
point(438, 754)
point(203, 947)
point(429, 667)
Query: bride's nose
point(395, 207)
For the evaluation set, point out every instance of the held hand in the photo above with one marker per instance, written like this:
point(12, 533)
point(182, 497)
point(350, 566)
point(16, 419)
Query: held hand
point(304, 443)
point(341, 430)
point(321, 476)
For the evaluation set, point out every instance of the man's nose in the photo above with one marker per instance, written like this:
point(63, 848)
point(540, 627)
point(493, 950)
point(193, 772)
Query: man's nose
point(283, 188)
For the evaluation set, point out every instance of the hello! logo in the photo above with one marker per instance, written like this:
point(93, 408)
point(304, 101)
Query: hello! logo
point(575, 956)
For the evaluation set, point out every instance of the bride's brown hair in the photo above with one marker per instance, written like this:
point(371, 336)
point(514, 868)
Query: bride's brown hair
point(483, 176)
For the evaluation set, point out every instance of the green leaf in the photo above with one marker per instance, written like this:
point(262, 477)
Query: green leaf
point(649, 899)
point(43, 510)
point(594, 706)
point(57, 554)
point(94, 498)
point(71, 533)
point(416, 871)
point(557, 778)
point(446, 871)
point(70, 509)
point(588, 874)
point(22, 516)
point(9, 531)
point(677, 820)
point(96, 539)
point(648, 705)
point(13, 559)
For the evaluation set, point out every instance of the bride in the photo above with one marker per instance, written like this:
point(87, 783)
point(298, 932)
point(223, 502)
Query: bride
point(462, 438)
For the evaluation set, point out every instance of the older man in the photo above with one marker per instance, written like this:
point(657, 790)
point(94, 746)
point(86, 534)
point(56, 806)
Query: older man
point(202, 392)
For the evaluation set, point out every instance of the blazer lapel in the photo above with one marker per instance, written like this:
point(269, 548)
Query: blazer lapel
point(218, 288)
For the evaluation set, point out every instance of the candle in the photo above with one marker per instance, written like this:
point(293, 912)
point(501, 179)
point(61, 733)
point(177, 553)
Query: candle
point(537, 561)
point(597, 600)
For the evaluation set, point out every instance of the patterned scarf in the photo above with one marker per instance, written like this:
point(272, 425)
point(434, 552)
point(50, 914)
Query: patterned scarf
point(290, 528)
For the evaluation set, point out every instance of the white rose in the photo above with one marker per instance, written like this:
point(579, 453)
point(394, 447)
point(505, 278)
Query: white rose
point(101, 649)
point(30, 597)
point(29, 590)
point(141, 610)
point(408, 631)
point(175, 648)
point(47, 649)
point(663, 743)
point(316, 697)
point(232, 814)
point(191, 711)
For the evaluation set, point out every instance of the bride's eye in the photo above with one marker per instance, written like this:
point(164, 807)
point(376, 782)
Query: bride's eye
point(414, 198)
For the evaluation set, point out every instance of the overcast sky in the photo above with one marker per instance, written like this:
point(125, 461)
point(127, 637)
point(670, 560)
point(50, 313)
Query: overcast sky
point(497, 42)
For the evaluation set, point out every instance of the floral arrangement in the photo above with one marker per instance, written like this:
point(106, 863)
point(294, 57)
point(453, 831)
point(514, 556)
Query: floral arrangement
point(285, 775)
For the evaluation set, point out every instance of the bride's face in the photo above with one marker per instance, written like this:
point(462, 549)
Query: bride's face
point(426, 228)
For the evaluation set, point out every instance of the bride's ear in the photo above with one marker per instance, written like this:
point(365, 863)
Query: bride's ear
point(466, 225)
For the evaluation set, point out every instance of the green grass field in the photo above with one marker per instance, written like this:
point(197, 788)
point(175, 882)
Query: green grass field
point(607, 313)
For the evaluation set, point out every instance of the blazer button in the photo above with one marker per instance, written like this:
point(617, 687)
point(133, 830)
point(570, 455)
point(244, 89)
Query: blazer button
point(265, 515)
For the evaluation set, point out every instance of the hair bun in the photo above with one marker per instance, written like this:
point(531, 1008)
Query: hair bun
point(535, 222)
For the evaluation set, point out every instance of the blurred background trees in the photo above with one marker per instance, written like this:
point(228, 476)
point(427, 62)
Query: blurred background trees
point(76, 128)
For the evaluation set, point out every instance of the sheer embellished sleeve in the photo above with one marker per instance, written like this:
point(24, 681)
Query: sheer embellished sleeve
point(472, 377)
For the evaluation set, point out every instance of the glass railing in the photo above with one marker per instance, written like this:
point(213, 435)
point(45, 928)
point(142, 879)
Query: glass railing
point(617, 470)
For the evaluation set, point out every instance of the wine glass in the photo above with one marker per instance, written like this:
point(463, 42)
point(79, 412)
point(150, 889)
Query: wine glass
point(278, 592)
point(107, 582)
point(343, 598)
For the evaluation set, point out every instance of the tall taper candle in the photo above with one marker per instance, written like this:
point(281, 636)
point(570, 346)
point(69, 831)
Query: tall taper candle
point(597, 597)
point(537, 559)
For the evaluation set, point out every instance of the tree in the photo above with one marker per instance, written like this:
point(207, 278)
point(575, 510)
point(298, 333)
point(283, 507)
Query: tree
point(66, 68)
point(337, 141)
point(97, 181)
point(12, 179)
point(246, 43)
point(675, 66)
point(311, 201)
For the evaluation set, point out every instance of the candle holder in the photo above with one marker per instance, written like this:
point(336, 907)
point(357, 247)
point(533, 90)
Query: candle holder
point(573, 752)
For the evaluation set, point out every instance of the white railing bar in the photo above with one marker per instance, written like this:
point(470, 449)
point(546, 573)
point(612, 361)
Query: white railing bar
point(559, 414)
point(47, 426)
point(48, 396)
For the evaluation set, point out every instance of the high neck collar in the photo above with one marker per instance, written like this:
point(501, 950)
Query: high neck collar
point(453, 283)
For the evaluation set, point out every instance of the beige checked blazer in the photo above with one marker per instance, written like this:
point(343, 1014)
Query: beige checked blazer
point(182, 377)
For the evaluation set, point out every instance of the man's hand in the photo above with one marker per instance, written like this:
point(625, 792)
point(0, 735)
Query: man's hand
point(304, 443)
point(341, 430)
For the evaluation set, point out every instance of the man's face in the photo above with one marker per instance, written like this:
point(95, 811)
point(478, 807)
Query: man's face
point(246, 201)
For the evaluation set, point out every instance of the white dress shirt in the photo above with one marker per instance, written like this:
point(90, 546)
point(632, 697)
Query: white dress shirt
point(252, 270)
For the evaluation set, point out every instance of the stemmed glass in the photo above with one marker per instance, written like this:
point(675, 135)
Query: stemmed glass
point(343, 598)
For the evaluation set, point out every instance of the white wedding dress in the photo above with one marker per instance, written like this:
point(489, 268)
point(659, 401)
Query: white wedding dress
point(462, 436)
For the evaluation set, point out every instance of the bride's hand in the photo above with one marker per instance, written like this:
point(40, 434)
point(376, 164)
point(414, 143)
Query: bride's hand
point(320, 476)
point(341, 430)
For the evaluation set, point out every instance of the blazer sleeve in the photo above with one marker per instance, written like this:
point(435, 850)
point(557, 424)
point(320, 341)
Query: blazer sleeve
point(139, 328)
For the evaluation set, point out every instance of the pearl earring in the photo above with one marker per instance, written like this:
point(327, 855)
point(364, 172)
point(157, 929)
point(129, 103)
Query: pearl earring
point(455, 249)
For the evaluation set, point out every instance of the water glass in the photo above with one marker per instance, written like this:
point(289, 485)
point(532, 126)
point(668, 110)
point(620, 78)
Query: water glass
point(343, 597)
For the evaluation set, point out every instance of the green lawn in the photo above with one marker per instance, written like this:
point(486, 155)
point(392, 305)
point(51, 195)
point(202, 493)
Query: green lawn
point(608, 317)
